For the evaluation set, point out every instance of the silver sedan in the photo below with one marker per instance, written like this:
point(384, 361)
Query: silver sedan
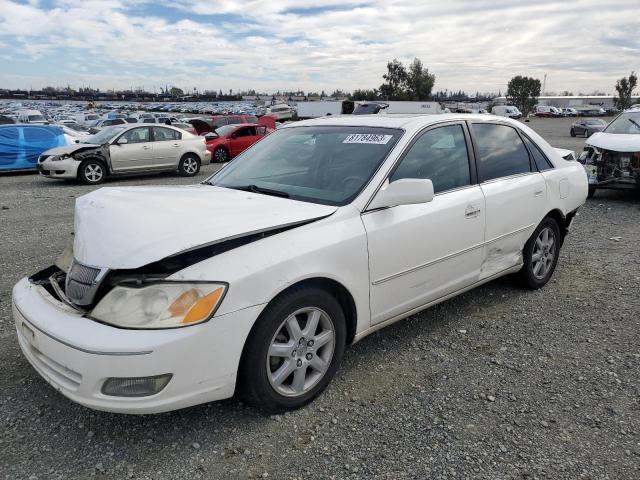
point(126, 149)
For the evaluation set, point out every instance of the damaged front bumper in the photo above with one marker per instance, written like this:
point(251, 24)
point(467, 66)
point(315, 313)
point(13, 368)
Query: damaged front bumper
point(77, 355)
point(611, 169)
point(67, 168)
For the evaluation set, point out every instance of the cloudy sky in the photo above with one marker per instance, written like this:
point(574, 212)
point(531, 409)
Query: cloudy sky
point(475, 45)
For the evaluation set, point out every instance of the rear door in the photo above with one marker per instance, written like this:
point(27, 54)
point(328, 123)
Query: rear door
point(135, 154)
point(167, 146)
point(515, 194)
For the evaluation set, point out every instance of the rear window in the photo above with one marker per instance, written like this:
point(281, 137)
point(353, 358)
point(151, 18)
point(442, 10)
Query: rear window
point(540, 159)
point(501, 151)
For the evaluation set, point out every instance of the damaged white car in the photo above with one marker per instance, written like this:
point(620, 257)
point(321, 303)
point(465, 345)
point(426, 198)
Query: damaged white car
point(611, 158)
point(256, 280)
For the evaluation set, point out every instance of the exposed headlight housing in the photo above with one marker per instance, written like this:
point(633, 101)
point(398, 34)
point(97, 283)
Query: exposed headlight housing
point(159, 305)
point(56, 158)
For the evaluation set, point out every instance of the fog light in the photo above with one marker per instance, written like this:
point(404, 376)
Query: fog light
point(135, 386)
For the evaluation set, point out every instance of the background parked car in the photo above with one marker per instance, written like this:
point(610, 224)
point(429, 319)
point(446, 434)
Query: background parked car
point(547, 111)
point(96, 126)
point(126, 149)
point(506, 111)
point(569, 112)
point(587, 127)
point(21, 145)
point(231, 140)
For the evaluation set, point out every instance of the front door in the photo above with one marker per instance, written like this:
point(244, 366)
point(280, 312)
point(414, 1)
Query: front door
point(135, 153)
point(515, 194)
point(419, 253)
point(242, 139)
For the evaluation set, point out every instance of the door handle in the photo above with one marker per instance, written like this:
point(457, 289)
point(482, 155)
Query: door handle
point(472, 211)
point(146, 148)
point(176, 145)
point(537, 193)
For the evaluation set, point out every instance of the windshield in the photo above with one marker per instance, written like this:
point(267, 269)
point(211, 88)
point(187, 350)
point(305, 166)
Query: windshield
point(625, 123)
point(222, 131)
point(328, 165)
point(103, 136)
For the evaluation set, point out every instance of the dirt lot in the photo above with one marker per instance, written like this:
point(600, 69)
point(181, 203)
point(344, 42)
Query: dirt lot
point(499, 383)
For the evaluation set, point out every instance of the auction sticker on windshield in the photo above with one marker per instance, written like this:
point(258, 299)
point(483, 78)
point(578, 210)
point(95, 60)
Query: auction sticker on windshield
point(370, 138)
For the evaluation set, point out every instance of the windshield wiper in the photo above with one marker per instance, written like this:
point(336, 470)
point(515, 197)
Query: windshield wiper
point(257, 189)
point(634, 122)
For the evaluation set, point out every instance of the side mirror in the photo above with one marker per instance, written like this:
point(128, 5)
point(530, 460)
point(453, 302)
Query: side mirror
point(122, 141)
point(406, 191)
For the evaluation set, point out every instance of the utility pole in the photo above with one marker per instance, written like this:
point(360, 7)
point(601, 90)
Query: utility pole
point(544, 85)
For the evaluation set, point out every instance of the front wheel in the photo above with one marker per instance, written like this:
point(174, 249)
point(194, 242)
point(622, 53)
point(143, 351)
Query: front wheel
point(541, 254)
point(573, 132)
point(189, 165)
point(586, 133)
point(294, 350)
point(221, 155)
point(92, 172)
point(592, 191)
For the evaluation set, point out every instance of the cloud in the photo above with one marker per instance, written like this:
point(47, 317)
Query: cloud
point(325, 44)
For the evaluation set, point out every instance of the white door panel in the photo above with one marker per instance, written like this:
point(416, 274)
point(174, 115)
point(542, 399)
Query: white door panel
point(418, 253)
point(514, 207)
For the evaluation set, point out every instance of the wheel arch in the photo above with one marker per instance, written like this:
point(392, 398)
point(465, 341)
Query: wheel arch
point(562, 220)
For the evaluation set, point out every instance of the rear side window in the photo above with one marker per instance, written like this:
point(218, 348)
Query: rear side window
point(439, 155)
point(540, 159)
point(500, 150)
point(165, 134)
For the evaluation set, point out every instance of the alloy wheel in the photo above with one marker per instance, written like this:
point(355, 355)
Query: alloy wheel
point(220, 155)
point(301, 351)
point(544, 251)
point(93, 172)
point(190, 165)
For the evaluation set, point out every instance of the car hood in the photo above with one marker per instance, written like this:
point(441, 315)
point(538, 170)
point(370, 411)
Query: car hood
point(124, 228)
point(69, 149)
point(615, 141)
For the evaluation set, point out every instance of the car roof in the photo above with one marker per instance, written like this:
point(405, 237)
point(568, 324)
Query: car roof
point(407, 121)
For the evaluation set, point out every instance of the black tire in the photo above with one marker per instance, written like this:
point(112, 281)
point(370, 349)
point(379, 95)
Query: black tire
point(528, 276)
point(220, 155)
point(254, 381)
point(573, 132)
point(189, 165)
point(92, 172)
point(586, 133)
point(592, 191)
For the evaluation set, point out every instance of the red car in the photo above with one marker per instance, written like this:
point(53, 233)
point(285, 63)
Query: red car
point(231, 140)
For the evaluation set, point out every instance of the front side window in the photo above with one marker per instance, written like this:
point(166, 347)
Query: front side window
point(439, 155)
point(327, 165)
point(136, 135)
point(245, 132)
point(501, 152)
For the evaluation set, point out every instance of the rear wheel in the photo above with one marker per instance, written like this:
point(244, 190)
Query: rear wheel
point(294, 350)
point(189, 165)
point(221, 155)
point(541, 254)
point(92, 172)
point(592, 191)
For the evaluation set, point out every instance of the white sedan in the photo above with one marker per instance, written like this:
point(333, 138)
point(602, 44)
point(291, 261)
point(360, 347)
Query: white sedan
point(256, 280)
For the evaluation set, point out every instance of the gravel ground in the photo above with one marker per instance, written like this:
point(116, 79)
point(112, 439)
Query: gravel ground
point(499, 383)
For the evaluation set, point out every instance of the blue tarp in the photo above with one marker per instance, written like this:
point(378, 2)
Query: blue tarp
point(21, 145)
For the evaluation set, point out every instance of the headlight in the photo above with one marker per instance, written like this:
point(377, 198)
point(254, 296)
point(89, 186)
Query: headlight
point(160, 305)
point(55, 158)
